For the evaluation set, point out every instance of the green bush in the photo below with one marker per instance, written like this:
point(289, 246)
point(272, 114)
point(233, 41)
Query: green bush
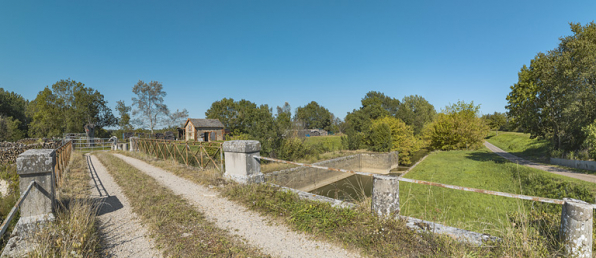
point(352, 140)
point(292, 149)
point(379, 138)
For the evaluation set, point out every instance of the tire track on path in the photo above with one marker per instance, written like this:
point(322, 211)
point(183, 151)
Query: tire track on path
point(276, 240)
point(120, 230)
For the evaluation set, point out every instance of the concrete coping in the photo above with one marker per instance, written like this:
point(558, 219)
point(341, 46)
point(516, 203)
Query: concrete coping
point(36, 161)
point(242, 146)
point(386, 177)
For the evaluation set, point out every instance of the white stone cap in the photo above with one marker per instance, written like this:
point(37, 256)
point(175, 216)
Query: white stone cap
point(242, 146)
point(36, 161)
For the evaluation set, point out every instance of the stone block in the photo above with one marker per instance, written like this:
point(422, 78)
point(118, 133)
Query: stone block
point(576, 227)
point(385, 196)
point(37, 165)
point(241, 164)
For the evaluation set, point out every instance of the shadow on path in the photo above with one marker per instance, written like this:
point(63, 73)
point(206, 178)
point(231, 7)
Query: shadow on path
point(100, 195)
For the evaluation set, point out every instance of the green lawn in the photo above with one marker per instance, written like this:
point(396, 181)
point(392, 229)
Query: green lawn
point(330, 143)
point(521, 145)
point(484, 170)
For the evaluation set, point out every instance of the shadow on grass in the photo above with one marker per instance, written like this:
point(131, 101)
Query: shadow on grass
point(485, 157)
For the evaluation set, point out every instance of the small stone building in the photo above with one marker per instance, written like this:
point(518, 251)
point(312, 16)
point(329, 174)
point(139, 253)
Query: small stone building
point(204, 130)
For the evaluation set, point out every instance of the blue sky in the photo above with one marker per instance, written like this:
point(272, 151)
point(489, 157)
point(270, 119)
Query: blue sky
point(270, 52)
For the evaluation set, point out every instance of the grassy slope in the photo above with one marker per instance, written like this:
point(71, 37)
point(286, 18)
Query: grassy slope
point(485, 170)
point(521, 145)
point(331, 142)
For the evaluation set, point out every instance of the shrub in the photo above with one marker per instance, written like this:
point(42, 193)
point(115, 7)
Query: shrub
point(458, 127)
point(399, 137)
point(352, 140)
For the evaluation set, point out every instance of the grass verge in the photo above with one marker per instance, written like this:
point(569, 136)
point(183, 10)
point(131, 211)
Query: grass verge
point(168, 217)
point(495, 215)
point(9, 179)
point(74, 232)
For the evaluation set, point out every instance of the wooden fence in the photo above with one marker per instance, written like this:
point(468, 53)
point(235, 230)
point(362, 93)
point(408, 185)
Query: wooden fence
point(199, 154)
point(62, 159)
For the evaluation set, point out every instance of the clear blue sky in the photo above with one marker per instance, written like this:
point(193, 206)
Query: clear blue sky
point(269, 52)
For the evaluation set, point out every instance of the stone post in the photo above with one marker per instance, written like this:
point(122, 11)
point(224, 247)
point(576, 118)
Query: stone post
point(241, 166)
point(385, 196)
point(37, 165)
point(134, 143)
point(576, 227)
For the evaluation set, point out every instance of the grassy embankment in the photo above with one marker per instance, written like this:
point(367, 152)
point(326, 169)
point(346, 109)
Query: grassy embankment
point(485, 213)
point(351, 228)
point(168, 216)
point(520, 144)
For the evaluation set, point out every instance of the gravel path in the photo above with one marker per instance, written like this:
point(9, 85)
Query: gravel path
point(547, 168)
point(276, 240)
point(121, 232)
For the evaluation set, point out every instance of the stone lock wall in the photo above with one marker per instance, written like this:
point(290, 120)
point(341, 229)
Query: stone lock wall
point(304, 177)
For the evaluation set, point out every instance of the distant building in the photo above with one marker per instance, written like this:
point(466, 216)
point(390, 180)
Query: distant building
point(204, 130)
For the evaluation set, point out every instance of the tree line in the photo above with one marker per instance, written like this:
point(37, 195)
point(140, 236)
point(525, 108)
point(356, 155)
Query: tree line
point(555, 96)
point(382, 123)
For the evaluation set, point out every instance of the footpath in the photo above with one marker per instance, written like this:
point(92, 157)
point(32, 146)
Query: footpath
point(120, 230)
point(544, 167)
point(273, 239)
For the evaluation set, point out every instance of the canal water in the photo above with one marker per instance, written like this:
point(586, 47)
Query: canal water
point(356, 187)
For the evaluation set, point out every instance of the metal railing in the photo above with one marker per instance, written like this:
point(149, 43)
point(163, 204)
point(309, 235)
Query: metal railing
point(13, 211)
point(462, 188)
point(199, 154)
point(84, 144)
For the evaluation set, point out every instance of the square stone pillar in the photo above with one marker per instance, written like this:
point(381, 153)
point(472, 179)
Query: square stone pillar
point(241, 166)
point(37, 165)
point(385, 196)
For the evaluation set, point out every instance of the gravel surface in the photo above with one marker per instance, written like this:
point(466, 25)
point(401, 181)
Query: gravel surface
point(547, 168)
point(121, 232)
point(275, 240)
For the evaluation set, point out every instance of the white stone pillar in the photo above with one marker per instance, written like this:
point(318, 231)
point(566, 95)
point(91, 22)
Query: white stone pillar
point(37, 165)
point(576, 227)
point(241, 166)
point(385, 196)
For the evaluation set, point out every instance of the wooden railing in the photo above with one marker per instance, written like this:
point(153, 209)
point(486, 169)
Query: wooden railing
point(62, 159)
point(199, 154)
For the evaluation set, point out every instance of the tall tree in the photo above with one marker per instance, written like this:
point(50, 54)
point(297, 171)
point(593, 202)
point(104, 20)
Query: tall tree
point(67, 108)
point(13, 108)
point(415, 111)
point(246, 118)
point(314, 116)
point(556, 95)
point(124, 111)
point(283, 119)
point(177, 119)
point(149, 107)
point(389, 104)
point(495, 121)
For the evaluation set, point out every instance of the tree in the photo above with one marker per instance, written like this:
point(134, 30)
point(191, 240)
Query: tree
point(67, 108)
point(457, 127)
point(46, 115)
point(124, 111)
point(389, 104)
point(177, 119)
point(14, 105)
point(283, 119)
point(495, 121)
point(9, 129)
point(554, 97)
point(246, 118)
point(415, 111)
point(314, 116)
point(401, 138)
point(150, 109)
